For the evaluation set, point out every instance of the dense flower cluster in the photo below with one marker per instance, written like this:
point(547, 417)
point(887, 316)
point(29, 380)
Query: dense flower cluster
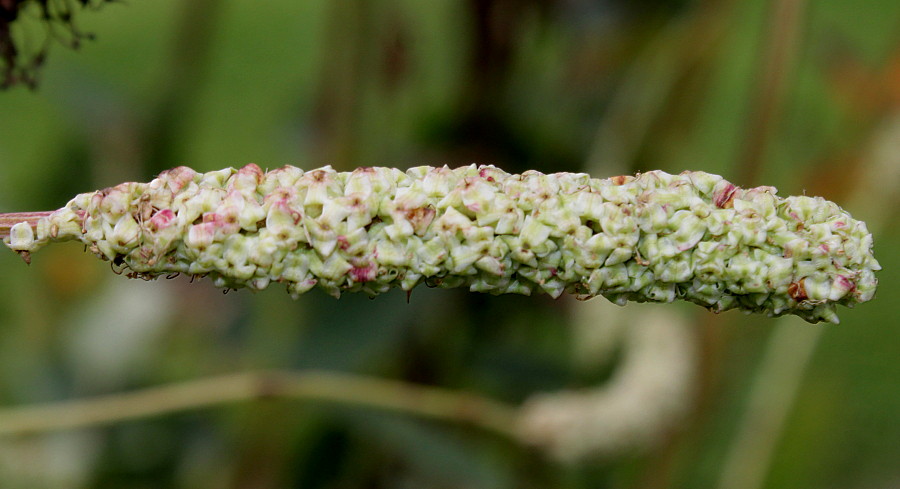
point(653, 237)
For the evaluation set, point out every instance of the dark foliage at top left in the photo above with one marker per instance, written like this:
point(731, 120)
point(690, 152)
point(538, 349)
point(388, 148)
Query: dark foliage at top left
point(29, 27)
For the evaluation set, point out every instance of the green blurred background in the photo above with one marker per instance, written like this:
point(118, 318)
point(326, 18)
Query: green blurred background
point(797, 94)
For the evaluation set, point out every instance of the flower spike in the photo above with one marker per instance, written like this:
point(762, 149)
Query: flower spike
point(651, 237)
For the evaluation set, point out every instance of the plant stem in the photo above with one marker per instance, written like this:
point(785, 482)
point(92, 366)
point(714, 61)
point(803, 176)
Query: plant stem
point(389, 395)
point(783, 39)
point(10, 219)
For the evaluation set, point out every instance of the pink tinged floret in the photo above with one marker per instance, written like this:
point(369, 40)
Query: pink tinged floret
point(212, 217)
point(224, 222)
point(342, 242)
point(115, 201)
point(280, 210)
point(234, 198)
point(162, 219)
point(251, 169)
point(723, 199)
point(317, 182)
point(200, 236)
point(483, 173)
point(283, 195)
point(178, 177)
point(246, 180)
point(363, 274)
point(844, 283)
point(96, 199)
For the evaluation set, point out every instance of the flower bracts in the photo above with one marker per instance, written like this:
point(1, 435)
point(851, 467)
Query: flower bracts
point(654, 237)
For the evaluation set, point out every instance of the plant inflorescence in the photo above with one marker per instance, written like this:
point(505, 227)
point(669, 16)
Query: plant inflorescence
point(651, 237)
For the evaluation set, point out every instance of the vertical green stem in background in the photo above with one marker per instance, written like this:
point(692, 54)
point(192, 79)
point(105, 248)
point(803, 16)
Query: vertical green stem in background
point(788, 352)
point(648, 85)
point(349, 52)
point(184, 82)
point(772, 395)
point(782, 39)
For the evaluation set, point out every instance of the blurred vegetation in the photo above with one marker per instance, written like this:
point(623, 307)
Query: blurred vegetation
point(801, 95)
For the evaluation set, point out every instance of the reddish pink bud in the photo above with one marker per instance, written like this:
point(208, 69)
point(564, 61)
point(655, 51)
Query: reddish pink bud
point(283, 195)
point(162, 219)
point(845, 283)
point(363, 274)
point(251, 169)
point(178, 177)
point(723, 198)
